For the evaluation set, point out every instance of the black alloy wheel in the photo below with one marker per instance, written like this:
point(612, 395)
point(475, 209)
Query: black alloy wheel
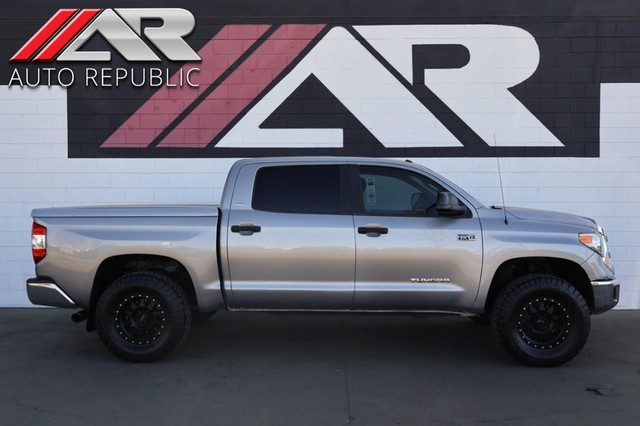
point(140, 319)
point(541, 320)
point(143, 316)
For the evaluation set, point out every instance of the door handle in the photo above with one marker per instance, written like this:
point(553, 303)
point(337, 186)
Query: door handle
point(372, 229)
point(246, 228)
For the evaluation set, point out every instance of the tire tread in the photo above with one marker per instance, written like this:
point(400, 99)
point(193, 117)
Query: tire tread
point(528, 283)
point(169, 289)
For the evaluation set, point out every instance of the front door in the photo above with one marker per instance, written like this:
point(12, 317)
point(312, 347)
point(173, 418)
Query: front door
point(291, 241)
point(409, 257)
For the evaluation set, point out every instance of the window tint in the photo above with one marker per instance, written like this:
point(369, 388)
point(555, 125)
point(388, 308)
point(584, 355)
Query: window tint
point(298, 189)
point(398, 192)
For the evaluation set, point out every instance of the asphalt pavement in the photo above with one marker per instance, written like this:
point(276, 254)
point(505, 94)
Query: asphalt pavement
point(314, 369)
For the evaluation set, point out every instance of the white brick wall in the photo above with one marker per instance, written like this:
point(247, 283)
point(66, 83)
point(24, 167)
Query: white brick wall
point(35, 172)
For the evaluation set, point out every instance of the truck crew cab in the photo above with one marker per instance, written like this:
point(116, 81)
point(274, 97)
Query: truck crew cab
point(329, 234)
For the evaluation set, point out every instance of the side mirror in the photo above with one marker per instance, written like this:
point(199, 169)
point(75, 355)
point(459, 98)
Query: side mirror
point(449, 205)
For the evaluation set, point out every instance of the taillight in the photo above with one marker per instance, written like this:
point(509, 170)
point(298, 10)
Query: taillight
point(38, 242)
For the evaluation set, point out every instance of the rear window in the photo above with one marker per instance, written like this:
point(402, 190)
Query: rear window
point(298, 189)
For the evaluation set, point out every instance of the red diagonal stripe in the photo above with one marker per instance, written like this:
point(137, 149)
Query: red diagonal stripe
point(43, 35)
point(66, 35)
point(161, 109)
point(244, 85)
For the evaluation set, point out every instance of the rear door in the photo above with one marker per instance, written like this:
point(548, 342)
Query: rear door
point(408, 257)
point(291, 241)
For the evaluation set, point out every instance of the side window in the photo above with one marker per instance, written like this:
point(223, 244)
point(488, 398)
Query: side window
point(298, 189)
point(397, 192)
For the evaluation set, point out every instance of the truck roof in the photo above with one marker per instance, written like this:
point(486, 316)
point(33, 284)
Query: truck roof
point(350, 160)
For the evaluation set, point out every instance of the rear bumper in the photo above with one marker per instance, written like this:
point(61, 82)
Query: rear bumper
point(605, 295)
point(44, 291)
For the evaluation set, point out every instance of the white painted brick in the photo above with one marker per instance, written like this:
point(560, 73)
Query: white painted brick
point(17, 106)
point(48, 121)
point(26, 93)
point(154, 181)
point(217, 195)
point(108, 165)
point(93, 180)
point(8, 121)
point(562, 194)
point(15, 267)
point(37, 180)
point(110, 196)
point(481, 180)
point(15, 298)
point(33, 150)
point(576, 180)
point(478, 165)
point(22, 194)
point(56, 136)
point(615, 224)
point(618, 164)
point(628, 300)
point(183, 180)
point(520, 196)
point(625, 209)
point(125, 180)
point(76, 194)
point(631, 148)
point(169, 195)
point(597, 209)
point(46, 106)
point(192, 195)
point(140, 166)
point(170, 165)
point(51, 195)
point(613, 194)
point(49, 165)
point(79, 165)
point(8, 180)
point(139, 196)
point(16, 244)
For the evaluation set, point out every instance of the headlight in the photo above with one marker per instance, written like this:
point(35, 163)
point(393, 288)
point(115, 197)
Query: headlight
point(596, 241)
point(593, 241)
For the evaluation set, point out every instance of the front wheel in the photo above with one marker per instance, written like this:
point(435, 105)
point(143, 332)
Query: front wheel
point(541, 320)
point(143, 316)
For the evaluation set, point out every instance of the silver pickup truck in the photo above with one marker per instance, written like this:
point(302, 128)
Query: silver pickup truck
point(325, 234)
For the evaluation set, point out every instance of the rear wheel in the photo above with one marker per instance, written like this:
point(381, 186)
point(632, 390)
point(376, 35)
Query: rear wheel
point(143, 316)
point(541, 320)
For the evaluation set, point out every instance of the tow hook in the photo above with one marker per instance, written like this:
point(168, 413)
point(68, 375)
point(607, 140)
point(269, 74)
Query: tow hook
point(80, 316)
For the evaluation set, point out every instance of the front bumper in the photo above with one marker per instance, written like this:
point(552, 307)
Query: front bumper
point(44, 291)
point(605, 295)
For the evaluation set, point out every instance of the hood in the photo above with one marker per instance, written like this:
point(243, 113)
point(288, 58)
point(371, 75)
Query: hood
point(553, 217)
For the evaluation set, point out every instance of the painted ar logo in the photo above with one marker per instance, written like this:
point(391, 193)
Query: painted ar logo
point(67, 30)
point(368, 69)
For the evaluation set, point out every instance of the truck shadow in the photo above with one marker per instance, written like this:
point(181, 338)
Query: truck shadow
point(353, 336)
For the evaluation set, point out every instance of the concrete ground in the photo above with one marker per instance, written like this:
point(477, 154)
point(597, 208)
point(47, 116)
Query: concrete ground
point(314, 369)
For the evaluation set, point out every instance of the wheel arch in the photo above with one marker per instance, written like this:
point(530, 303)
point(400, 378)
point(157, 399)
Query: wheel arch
point(565, 269)
point(116, 266)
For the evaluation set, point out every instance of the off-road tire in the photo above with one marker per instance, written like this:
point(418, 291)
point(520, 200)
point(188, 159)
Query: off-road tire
point(143, 316)
point(541, 320)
